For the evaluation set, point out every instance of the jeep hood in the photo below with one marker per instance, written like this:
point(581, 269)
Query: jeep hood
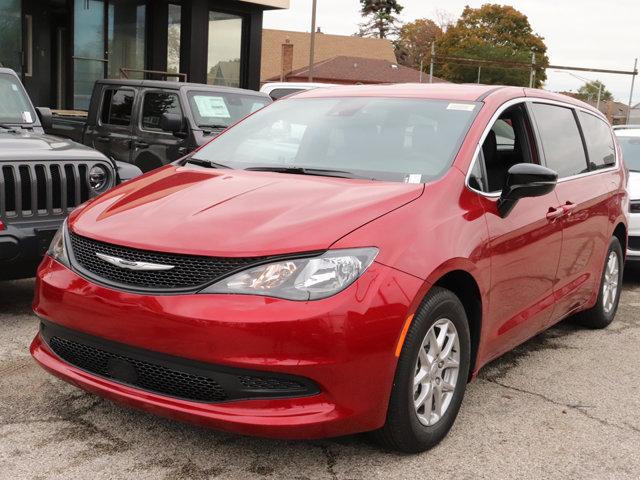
point(200, 211)
point(27, 145)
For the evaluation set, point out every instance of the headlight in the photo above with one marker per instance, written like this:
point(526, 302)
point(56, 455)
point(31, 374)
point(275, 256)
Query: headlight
point(58, 249)
point(300, 279)
point(98, 178)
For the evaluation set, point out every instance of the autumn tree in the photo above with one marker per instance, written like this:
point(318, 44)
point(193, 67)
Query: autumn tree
point(589, 91)
point(413, 46)
point(380, 18)
point(497, 33)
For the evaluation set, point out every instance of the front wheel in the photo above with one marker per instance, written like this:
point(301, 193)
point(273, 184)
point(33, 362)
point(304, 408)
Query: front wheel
point(431, 375)
point(604, 311)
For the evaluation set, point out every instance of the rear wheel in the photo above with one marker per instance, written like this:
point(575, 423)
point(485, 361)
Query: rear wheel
point(604, 311)
point(431, 375)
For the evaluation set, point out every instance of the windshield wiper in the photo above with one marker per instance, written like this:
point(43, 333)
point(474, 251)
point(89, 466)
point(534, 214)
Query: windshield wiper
point(205, 163)
point(8, 127)
point(213, 126)
point(304, 171)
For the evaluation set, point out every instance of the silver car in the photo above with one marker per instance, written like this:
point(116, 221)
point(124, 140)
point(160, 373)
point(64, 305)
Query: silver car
point(629, 139)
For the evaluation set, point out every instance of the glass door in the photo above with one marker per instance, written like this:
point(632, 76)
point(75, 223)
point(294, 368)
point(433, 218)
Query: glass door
point(126, 38)
point(89, 54)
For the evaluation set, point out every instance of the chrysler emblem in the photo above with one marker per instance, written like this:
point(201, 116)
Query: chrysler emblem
point(129, 265)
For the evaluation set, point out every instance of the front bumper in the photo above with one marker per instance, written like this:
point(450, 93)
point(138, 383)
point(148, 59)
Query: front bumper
point(633, 250)
point(22, 247)
point(344, 345)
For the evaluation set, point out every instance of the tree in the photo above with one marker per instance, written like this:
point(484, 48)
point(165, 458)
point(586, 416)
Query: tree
point(589, 92)
point(413, 45)
point(380, 18)
point(498, 33)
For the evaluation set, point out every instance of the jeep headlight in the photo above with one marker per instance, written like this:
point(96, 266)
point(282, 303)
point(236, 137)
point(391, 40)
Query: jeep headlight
point(98, 178)
point(300, 279)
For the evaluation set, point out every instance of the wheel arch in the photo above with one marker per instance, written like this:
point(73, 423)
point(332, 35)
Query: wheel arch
point(620, 232)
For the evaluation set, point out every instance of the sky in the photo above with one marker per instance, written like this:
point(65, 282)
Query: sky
point(582, 33)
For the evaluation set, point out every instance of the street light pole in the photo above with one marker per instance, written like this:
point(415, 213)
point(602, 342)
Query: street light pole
point(312, 46)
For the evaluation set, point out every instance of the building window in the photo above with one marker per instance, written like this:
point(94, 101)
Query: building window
point(173, 38)
point(11, 34)
point(88, 50)
point(225, 49)
point(127, 22)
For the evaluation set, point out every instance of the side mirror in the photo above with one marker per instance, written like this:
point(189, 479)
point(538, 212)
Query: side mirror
point(45, 116)
point(170, 122)
point(525, 180)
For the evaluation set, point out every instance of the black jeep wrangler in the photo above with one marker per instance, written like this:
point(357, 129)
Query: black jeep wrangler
point(42, 178)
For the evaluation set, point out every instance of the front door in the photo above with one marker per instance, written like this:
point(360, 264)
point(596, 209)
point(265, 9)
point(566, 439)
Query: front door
point(525, 245)
point(112, 132)
point(152, 146)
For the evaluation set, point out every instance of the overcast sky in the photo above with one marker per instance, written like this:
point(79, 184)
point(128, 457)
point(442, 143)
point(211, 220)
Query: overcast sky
point(583, 33)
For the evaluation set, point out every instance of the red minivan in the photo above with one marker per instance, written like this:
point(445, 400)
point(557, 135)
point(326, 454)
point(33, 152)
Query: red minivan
point(342, 261)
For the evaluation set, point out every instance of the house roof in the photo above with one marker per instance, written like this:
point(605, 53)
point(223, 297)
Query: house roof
point(327, 46)
point(362, 70)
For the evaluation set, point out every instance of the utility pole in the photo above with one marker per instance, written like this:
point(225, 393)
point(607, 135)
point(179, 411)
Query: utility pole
point(479, 73)
point(633, 84)
point(599, 95)
point(421, 67)
point(312, 46)
point(433, 56)
point(532, 77)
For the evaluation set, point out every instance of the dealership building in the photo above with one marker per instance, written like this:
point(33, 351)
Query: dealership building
point(61, 47)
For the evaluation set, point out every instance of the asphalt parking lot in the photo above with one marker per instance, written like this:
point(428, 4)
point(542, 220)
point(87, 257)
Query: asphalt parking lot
point(564, 405)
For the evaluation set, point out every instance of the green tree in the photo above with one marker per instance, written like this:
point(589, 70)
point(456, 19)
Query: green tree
point(413, 45)
point(497, 33)
point(589, 92)
point(380, 18)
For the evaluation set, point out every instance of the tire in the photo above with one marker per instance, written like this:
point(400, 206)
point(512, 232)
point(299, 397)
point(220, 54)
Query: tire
point(604, 311)
point(405, 429)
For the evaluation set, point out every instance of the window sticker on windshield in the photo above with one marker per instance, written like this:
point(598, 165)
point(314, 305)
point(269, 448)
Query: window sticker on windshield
point(462, 107)
point(211, 106)
point(413, 178)
point(26, 116)
point(14, 87)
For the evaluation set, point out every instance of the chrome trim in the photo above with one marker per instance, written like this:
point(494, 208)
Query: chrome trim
point(131, 265)
point(516, 101)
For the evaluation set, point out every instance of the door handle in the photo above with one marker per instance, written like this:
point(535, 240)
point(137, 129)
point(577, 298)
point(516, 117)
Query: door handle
point(104, 139)
point(141, 145)
point(568, 208)
point(554, 213)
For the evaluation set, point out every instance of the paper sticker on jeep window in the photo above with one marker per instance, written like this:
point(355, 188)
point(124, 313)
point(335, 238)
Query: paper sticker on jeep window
point(211, 106)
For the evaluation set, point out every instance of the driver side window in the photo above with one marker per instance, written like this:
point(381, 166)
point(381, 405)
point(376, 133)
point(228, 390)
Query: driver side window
point(508, 143)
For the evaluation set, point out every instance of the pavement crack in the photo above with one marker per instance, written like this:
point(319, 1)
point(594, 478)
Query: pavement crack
point(331, 459)
point(582, 409)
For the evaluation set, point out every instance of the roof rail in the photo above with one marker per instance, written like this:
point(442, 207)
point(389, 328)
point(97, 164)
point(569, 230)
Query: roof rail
point(181, 77)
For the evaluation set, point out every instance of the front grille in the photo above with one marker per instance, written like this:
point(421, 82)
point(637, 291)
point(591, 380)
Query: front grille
point(167, 375)
point(34, 190)
point(634, 243)
point(189, 272)
point(137, 373)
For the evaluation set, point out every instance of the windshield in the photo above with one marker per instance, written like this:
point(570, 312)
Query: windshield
point(631, 152)
point(394, 139)
point(215, 109)
point(15, 107)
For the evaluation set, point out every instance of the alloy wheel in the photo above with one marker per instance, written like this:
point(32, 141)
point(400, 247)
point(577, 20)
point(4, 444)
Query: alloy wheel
point(436, 372)
point(611, 282)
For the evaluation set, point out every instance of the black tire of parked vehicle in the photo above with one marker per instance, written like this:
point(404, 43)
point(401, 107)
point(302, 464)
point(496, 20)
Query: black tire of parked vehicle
point(403, 430)
point(597, 317)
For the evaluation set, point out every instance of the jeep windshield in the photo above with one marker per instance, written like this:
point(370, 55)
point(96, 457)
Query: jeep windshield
point(220, 110)
point(392, 139)
point(15, 108)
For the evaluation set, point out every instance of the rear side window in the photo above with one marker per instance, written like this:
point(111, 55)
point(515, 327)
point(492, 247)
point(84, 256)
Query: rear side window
point(117, 106)
point(561, 140)
point(599, 140)
point(156, 104)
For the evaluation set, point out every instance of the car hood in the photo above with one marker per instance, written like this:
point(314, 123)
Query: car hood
point(26, 145)
point(200, 211)
point(634, 185)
